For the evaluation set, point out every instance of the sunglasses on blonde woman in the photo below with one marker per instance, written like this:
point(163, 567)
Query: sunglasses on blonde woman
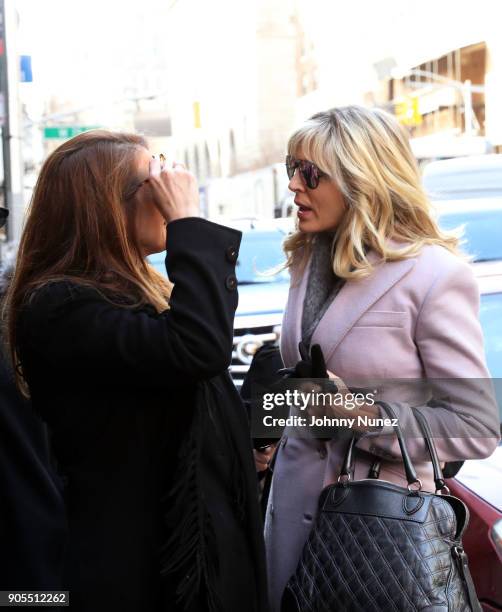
point(309, 171)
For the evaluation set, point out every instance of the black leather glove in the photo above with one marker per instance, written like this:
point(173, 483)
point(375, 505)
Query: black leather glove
point(309, 366)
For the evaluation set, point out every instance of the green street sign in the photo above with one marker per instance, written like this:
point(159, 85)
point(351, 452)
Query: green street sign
point(67, 131)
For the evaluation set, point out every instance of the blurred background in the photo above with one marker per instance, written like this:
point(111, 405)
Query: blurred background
point(220, 85)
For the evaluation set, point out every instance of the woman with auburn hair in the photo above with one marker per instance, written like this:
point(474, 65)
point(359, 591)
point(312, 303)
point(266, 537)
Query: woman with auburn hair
point(131, 374)
point(385, 294)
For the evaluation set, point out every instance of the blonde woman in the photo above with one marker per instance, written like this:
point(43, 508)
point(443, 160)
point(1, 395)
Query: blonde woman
point(386, 295)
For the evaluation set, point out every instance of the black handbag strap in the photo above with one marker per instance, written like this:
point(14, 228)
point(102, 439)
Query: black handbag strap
point(409, 469)
point(431, 447)
point(463, 568)
point(346, 472)
point(411, 475)
point(458, 551)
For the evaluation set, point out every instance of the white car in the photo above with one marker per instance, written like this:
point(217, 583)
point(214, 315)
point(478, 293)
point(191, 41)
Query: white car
point(481, 221)
point(477, 176)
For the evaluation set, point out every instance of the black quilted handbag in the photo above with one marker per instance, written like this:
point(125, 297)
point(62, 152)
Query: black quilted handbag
point(376, 546)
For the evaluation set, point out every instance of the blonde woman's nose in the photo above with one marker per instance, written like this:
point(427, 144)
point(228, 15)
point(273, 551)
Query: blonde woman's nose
point(296, 183)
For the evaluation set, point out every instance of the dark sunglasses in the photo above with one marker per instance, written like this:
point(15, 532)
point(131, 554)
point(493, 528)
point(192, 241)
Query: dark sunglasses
point(4, 213)
point(309, 171)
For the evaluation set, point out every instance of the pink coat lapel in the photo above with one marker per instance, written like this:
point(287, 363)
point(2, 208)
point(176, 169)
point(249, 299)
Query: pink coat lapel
point(353, 300)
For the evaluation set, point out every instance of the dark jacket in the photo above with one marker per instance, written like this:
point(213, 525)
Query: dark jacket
point(121, 390)
point(32, 520)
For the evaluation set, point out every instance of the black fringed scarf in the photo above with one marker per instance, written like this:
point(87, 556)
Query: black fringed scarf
point(189, 557)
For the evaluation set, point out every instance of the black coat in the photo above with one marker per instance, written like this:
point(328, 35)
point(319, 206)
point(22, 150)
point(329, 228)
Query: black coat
point(32, 519)
point(119, 389)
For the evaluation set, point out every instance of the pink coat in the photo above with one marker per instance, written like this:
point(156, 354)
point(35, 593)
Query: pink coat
point(412, 319)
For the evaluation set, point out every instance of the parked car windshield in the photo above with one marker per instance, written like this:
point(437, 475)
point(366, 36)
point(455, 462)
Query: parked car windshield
point(490, 315)
point(482, 231)
point(261, 252)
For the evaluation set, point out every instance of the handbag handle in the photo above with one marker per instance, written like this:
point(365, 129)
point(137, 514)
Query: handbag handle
point(411, 475)
point(348, 460)
point(431, 447)
point(409, 469)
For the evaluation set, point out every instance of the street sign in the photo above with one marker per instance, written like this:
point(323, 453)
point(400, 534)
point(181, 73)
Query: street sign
point(67, 131)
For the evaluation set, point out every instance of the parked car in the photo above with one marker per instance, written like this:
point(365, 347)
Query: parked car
point(481, 220)
point(479, 482)
point(468, 192)
point(483, 537)
point(477, 176)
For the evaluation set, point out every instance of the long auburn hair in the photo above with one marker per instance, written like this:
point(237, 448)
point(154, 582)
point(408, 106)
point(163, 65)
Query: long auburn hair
point(80, 227)
point(368, 154)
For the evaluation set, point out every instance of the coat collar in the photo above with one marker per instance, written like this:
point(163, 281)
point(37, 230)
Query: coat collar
point(353, 300)
point(292, 319)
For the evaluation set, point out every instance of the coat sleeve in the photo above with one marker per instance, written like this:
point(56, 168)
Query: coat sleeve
point(463, 414)
point(80, 335)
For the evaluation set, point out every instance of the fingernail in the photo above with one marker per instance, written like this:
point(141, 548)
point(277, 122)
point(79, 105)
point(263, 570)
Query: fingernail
point(155, 166)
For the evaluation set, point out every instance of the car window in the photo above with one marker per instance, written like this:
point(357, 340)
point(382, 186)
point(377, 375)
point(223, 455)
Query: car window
point(482, 231)
point(261, 252)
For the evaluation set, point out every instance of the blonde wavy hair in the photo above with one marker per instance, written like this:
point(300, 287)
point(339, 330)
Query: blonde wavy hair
point(368, 154)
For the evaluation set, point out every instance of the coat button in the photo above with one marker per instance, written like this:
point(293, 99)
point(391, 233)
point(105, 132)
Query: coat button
point(232, 254)
point(231, 282)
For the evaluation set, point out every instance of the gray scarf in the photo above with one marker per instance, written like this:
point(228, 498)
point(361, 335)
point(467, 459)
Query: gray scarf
point(322, 286)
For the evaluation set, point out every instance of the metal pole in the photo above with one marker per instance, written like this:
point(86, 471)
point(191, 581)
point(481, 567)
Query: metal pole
point(4, 102)
point(11, 128)
point(468, 111)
